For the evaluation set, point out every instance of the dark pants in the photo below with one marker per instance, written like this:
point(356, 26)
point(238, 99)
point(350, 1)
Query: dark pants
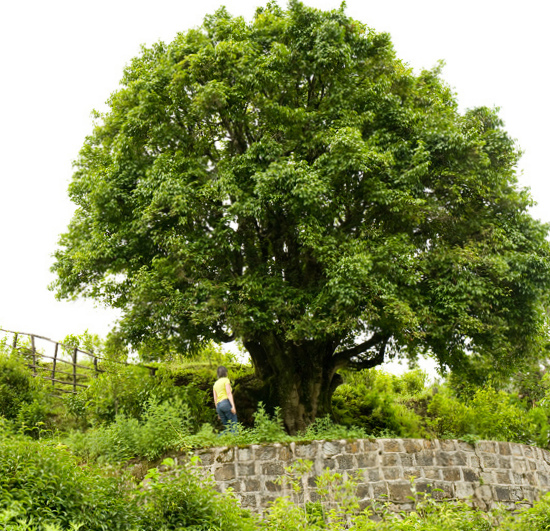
point(224, 411)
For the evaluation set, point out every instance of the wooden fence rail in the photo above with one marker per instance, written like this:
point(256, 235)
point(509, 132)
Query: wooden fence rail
point(66, 370)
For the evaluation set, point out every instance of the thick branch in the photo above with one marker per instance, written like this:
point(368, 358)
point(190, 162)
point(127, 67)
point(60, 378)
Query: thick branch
point(343, 358)
point(369, 363)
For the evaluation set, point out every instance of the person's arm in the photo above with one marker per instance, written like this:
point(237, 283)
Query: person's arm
point(215, 399)
point(230, 396)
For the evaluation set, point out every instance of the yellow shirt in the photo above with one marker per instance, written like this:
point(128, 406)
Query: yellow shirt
point(219, 387)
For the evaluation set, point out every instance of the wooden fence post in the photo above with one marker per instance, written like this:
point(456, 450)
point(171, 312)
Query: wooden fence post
point(75, 354)
point(33, 346)
point(54, 363)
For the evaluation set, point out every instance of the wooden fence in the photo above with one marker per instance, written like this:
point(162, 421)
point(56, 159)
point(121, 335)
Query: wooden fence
point(68, 368)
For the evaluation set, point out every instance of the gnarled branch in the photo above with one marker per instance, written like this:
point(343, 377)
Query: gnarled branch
point(344, 358)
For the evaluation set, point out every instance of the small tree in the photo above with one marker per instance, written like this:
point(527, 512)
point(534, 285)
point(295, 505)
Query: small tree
point(289, 182)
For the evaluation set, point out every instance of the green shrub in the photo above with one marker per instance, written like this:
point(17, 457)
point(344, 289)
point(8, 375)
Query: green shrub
point(179, 499)
point(23, 398)
point(376, 402)
point(163, 426)
point(47, 485)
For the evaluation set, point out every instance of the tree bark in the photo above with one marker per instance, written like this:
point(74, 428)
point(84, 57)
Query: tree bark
point(302, 377)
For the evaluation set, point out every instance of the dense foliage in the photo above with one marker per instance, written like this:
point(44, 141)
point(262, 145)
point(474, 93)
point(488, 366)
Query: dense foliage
point(55, 484)
point(291, 183)
point(43, 488)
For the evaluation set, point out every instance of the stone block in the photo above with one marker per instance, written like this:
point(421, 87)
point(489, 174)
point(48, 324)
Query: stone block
point(206, 457)
point(368, 460)
point(306, 451)
point(399, 490)
point(447, 445)
point(412, 472)
point(504, 493)
point(516, 449)
point(265, 453)
point(372, 474)
point(346, 462)
point(245, 454)
point(251, 485)
point(284, 453)
point(249, 501)
point(425, 458)
point(451, 473)
point(465, 446)
point(470, 475)
point(464, 490)
point(271, 486)
point(226, 455)
point(390, 473)
point(520, 465)
point(447, 459)
point(412, 445)
point(530, 494)
point(532, 465)
point(379, 490)
point(504, 448)
point(486, 446)
point(489, 461)
point(225, 472)
point(407, 459)
point(371, 445)
point(432, 472)
point(353, 447)
point(391, 445)
point(331, 464)
point(528, 452)
point(443, 489)
point(505, 462)
point(484, 492)
point(272, 469)
point(503, 477)
point(331, 449)
point(363, 491)
point(390, 459)
point(474, 461)
point(487, 478)
point(423, 485)
point(245, 469)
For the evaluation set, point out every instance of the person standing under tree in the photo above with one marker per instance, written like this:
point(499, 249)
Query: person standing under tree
point(223, 399)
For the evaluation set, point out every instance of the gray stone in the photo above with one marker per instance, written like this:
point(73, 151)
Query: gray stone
point(346, 462)
point(225, 472)
point(331, 448)
point(368, 460)
point(272, 469)
point(246, 469)
point(399, 490)
point(390, 460)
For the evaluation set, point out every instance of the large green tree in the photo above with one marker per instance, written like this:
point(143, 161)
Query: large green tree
point(291, 183)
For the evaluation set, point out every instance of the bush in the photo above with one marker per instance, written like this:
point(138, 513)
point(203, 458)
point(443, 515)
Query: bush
point(23, 398)
point(43, 483)
point(180, 500)
point(376, 402)
point(163, 426)
point(46, 485)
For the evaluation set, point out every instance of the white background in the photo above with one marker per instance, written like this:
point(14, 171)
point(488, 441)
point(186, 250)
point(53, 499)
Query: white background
point(61, 59)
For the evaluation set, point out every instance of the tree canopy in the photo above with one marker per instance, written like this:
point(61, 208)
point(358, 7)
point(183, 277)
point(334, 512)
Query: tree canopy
point(288, 181)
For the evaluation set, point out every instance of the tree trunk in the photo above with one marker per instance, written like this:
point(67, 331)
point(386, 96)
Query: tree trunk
point(302, 377)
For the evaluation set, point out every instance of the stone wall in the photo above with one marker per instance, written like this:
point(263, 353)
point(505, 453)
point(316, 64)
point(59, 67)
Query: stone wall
point(485, 473)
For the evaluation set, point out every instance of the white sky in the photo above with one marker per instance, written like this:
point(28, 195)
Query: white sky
point(61, 59)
